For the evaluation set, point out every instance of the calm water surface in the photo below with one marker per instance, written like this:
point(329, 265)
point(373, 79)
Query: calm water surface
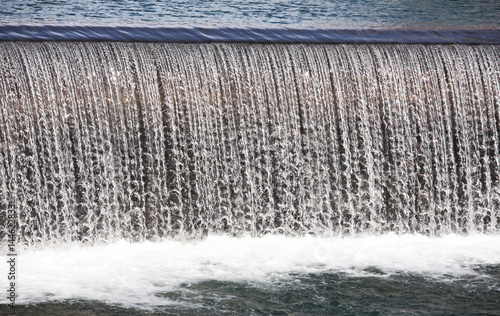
point(273, 13)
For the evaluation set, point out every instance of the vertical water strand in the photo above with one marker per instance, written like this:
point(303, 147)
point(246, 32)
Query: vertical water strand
point(10, 93)
point(189, 136)
point(93, 146)
point(119, 105)
point(100, 157)
point(272, 103)
point(403, 140)
point(47, 110)
point(310, 79)
point(385, 128)
point(267, 103)
point(352, 103)
point(24, 154)
point(61, 109)
point(220, 149)
point(9, 84)
point(132, 160)
point(290, 163)
point(390, 132)
point(319, 99)
point(170, 80)
point(182, 211)
point(242, 96)
point(239, 99)
point(81, 142)
point(87, 140)
point(151, 137)
point(201, 166)
point(426, 117)
point(142, 213)
point(228, 71)
point(337, 155)
point(413, 154)
point(69, 96)
point(229, 108)
point(110, 227)
point(197, 102)
point(494, 78)
point(378, 132)
point(56, 176)
point(348, 139)
point(359, 141)
point(362, 144)
point(77, 133)
point(439, 140)
point(160, 161)
point(258, 70)
point(482, 180)
point(488, 138)
point(490, 76)
point(443, 145)
point(467, 156)
point(317, 220)
point(45, 141)
point(211, 127)
point(272, 216)
point(114, 168)
point(251, 127)
point(324, 104)
point(215, 191)
point(471, 97)
point(14, 94)
point(410, 119)
point(28, 162)
point(299, 176)
point(372, 142)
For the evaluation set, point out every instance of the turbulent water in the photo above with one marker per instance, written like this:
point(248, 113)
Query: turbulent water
point(103, 141)
point(220, 275)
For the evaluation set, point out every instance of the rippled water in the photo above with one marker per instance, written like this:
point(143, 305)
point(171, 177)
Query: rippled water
point(273, 13)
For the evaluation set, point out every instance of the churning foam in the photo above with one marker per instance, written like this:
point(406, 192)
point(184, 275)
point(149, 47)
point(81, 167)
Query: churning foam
point(131, 274)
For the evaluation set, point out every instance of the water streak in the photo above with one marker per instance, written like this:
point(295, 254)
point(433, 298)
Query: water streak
point(147, 140)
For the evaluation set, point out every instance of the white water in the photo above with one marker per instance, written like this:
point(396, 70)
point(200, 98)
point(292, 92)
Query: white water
point(132, 274)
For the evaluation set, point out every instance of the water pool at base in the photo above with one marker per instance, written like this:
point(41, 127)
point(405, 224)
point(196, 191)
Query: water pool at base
point(275, 275)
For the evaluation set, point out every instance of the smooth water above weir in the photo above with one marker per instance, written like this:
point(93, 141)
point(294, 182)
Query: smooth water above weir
point(101, 141)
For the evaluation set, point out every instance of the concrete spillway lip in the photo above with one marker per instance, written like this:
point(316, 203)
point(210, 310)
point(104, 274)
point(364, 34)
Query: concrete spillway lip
point(248, 35)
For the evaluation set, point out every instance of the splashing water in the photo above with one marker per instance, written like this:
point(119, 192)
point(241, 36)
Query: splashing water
point(152, 275)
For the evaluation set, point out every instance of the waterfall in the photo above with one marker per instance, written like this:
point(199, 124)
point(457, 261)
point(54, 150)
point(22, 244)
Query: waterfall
point(107, 140)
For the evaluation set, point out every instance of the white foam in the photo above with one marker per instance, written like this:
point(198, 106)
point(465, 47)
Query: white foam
point(130, 274)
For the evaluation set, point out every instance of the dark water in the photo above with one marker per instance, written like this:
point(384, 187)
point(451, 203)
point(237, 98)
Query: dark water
point(313, 294)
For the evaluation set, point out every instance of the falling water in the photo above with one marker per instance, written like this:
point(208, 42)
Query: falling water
point(100, 141)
